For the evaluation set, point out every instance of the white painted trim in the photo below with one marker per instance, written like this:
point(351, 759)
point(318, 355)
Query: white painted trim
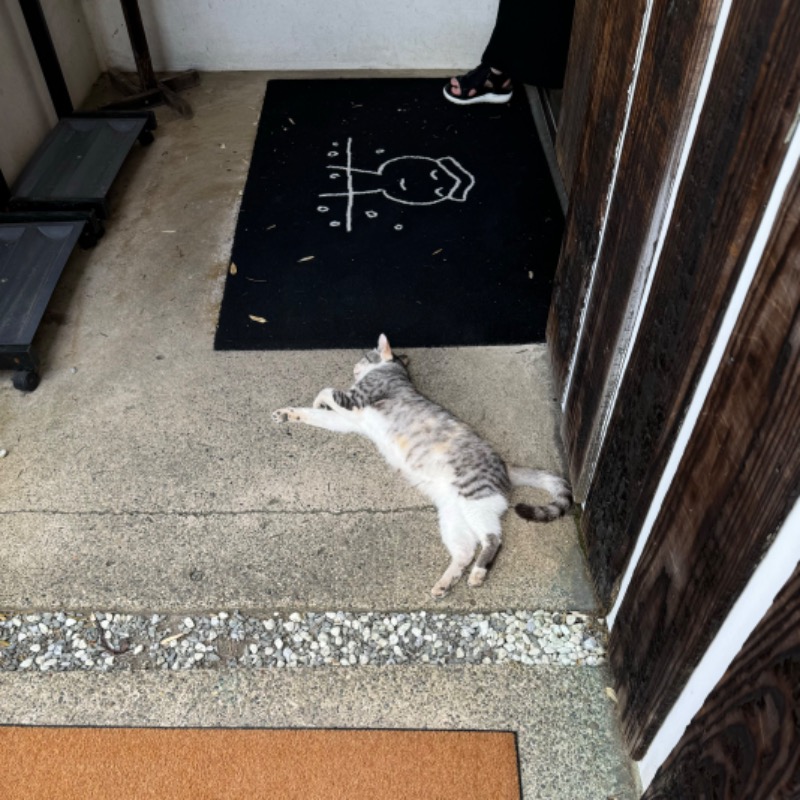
point(770, 576)
point(654, 243)
point(735, 306)
point(609, 195)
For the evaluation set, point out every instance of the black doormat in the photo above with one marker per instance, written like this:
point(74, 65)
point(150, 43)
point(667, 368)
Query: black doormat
point(374, 205)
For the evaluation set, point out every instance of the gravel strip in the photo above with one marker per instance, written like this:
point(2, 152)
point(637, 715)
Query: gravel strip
point(104, 641)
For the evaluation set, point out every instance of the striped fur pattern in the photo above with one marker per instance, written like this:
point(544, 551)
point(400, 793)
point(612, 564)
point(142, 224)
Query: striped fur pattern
point(441, 456)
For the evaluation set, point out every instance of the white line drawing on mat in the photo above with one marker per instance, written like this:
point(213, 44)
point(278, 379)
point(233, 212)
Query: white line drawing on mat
point(408, 180)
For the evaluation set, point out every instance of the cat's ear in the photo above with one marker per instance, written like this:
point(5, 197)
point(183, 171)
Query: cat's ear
point(384, 350)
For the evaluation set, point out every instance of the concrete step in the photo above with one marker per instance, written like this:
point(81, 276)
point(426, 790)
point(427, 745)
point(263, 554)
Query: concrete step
point(283, 561)
point(565, 722)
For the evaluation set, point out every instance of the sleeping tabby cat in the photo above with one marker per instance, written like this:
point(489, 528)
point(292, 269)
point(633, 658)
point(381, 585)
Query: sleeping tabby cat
point(441, 456)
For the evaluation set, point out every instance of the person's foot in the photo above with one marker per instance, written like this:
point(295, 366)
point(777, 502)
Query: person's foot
point(456, 86)
point(483, 84)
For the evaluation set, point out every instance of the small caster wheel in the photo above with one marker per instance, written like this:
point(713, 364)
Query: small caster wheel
point(91, 235)
point(88, 239)
point(146, 138)
point(26, 380)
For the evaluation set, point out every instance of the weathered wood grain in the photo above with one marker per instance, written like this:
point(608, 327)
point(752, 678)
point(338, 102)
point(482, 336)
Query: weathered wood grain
point(738, 479)
point(678, 39)
point(616, 31)
point(577, 83)
point(739, 146)
point(745, 740)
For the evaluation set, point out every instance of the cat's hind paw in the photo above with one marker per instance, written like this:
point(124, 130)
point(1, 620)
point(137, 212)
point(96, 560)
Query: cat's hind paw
point(439, 591)
point(282, 415)
point(477, 577)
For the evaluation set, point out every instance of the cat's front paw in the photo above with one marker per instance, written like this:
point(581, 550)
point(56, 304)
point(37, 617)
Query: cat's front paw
point(282, 415)
point(324, 400)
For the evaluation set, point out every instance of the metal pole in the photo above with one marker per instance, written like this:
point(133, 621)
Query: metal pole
point(46, 53)
point(141, 51)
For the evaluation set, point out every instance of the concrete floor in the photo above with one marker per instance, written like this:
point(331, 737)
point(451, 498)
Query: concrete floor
point(144, 474)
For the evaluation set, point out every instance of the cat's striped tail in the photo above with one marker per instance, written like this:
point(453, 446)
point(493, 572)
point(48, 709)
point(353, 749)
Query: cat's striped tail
point(539, 479)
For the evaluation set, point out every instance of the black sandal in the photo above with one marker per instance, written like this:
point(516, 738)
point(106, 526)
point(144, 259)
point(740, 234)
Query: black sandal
point(489, 87)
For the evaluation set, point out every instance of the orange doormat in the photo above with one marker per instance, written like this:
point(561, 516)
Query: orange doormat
point(201, 764)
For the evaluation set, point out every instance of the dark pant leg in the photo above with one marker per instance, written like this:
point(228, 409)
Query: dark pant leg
point(530, 41)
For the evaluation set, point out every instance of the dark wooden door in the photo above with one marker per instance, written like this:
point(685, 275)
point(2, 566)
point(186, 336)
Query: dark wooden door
point(678, 120)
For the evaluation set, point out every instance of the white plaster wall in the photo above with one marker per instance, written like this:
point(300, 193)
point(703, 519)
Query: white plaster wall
point(294, 35)
point(25, 108)
point(72, 38)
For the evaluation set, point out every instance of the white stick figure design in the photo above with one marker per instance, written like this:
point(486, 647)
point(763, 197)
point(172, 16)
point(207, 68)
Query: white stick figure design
point(409, 180)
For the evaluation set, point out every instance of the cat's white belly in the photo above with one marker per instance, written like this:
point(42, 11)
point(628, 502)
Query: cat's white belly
point(435, 480)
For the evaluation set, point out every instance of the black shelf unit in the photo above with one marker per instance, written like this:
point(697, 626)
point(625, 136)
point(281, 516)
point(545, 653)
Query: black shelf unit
point(59, 201)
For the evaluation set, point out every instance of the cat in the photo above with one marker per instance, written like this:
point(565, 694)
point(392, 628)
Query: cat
point(468, 482)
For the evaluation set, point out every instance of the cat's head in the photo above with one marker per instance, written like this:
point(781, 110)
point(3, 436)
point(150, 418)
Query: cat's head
point(378, 357)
